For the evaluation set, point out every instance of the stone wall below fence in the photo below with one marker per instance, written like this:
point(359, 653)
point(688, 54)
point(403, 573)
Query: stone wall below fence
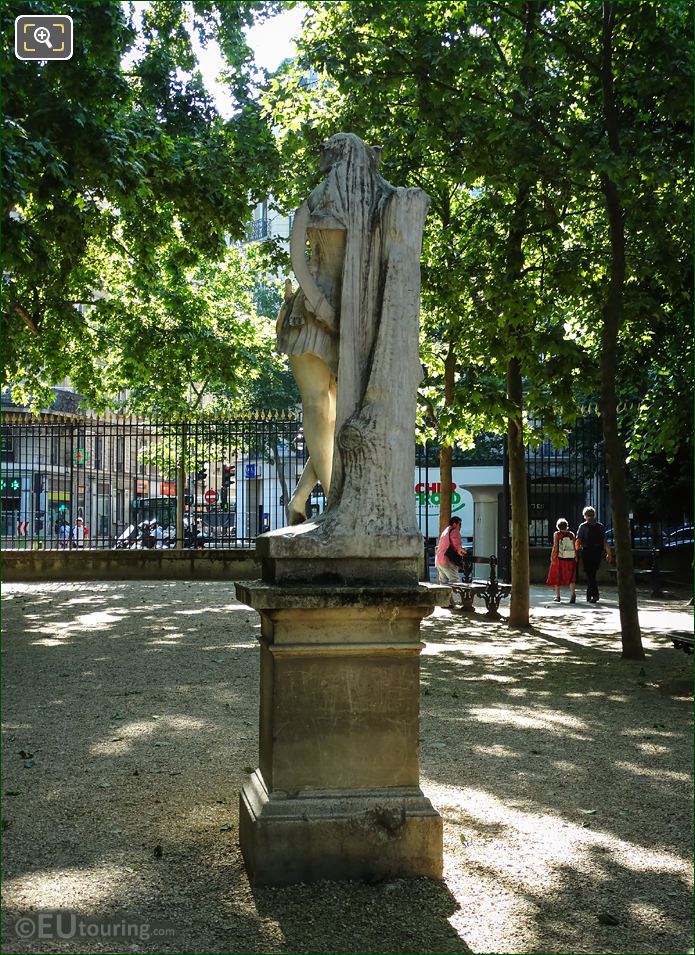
point(540, 564)
point(676, 562)
point(37, 565)
point(48, 565)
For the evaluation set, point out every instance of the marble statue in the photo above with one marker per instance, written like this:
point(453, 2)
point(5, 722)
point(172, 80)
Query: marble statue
point(336, 793)
point(351, 334)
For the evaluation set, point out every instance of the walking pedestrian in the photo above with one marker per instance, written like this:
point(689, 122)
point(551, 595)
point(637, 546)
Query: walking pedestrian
point(448, 558)
point(563, 561)
point(592, 544)
point(79, 533)
point(63, 531)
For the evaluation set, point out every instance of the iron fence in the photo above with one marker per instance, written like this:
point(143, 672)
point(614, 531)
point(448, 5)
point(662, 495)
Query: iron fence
point(89, 482)
point(562, 481)
point(82, 481)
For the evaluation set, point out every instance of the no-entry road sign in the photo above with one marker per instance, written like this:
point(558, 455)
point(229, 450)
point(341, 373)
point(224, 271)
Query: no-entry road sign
point(210, 497)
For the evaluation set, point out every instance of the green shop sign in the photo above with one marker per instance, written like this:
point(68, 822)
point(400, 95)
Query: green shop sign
point(431, 494)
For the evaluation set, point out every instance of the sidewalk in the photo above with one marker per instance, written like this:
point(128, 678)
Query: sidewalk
point(658, 616)
point(563, 775)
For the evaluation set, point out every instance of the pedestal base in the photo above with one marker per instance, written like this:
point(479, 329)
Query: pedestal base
point(337, 793)
point(329, 834)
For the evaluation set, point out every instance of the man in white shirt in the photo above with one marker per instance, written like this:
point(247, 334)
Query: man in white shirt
point(79, 533)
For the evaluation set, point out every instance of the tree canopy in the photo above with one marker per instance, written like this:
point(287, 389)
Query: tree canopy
point(126, 192)
point(481, 105)
point(554, 141)
point(124, 188)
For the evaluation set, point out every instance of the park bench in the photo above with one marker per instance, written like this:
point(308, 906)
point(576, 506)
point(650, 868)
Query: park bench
point(651, 576)
point(683, 641)
point(491, 590)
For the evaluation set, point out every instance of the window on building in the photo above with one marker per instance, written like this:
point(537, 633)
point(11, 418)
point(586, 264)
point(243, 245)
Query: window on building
point(55, 450)
point(120, 507)
point(7, 450)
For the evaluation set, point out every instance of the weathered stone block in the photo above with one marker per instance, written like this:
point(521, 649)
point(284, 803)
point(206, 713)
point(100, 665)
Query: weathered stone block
point(337, 795)
point(368, 835)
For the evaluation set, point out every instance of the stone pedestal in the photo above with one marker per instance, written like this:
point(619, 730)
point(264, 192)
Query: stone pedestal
point(337, 792)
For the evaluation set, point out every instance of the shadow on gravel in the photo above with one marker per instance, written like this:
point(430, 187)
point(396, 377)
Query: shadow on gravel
point(554, 741)
point(565, 770)
point(603, 914)
point(395, 916)
point(136, 709)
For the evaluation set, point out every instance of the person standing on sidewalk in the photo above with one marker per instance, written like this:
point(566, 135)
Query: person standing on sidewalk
point(563, 561)
point(448, 558)
point(63, 530)
point(591, 544)
point(79, 533)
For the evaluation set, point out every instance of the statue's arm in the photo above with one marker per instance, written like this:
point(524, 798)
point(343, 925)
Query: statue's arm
point(318, 302)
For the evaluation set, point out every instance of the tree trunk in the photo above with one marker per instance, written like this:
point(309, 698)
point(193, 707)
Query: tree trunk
point(445, 479)
point(446, 451)
point(519, 607)
point(519, 601)
point(612, 317)
point(520, 570)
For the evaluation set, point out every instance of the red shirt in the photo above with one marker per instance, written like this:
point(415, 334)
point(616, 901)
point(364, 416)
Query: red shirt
point(444, 542)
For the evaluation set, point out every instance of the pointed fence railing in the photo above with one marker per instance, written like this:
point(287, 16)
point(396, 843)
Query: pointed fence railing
point(83, 481)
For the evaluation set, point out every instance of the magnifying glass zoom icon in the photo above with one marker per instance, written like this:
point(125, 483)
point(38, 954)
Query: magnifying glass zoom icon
point(43, 35)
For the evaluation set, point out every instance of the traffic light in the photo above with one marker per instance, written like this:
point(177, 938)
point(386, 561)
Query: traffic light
point(201, 475)
point(39, 483)
point(228, 474)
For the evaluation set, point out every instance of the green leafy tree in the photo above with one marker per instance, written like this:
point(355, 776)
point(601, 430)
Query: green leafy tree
point(121, 180)
point(629, 72)
point(456, 95)
point(507, 115)
point(199, 339)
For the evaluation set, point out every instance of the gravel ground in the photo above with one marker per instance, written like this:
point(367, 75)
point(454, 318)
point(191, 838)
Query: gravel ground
point(563, 775)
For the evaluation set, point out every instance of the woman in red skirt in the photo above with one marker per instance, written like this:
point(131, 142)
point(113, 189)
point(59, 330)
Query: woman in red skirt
point(563, 561)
